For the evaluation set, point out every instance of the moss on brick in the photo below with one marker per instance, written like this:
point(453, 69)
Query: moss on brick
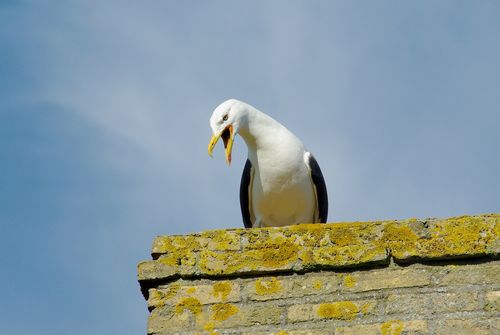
point(172, 245)
point(317, 284)
point(160, 297)
point(312, 247)
point(398, 238)
point(221, 312)
point(222, 290)
point(394, 327)
point(349, 281)
point(269, 256)
point(188, 304)
point(221, 239)
point(343, 310)
point(267, 286)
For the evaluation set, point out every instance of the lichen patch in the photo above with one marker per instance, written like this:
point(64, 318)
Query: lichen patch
point(343, 310)
point(188, 304)
point(349, 281)
point(267, 286)
point(221, 312)
point(394, 327)
point(222, 290)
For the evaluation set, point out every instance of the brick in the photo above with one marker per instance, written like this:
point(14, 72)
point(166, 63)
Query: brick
point(392, 327)
point(269, 288)
point(219, 292)
point(466, 236)
point(176, 244)
point(280, 280)
point(153, 270)
point(346, 256)
point(493, 301)
point(469, 274)
point(463, 327)
point(384, 279)
point(168, 320)
point(306, 247)
point(238, 315)
point(340, 310)
point(221, 240)
point(263, 260)
point(424, 304)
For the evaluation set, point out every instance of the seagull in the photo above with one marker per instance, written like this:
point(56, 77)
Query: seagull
point(282, 183)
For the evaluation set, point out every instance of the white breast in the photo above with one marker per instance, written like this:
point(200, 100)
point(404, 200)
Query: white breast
point(282, 192)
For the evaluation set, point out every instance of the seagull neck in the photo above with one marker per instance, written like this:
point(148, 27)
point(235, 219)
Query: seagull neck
point(259, 130)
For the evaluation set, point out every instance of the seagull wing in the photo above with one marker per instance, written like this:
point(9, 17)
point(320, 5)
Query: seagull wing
point(320, 189)
point(245, 194)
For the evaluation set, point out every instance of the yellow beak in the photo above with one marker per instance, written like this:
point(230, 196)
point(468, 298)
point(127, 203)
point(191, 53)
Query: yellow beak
point(228, 137)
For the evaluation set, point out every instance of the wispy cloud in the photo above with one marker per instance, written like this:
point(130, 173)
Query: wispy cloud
point(108, 104)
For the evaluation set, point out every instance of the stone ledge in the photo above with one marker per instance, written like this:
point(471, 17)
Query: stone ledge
point(311, 247)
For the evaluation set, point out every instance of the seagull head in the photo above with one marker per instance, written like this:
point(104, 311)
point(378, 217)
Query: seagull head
point(225, 122)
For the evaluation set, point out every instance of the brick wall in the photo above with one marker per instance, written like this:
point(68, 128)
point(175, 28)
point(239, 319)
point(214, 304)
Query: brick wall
point(392, 277)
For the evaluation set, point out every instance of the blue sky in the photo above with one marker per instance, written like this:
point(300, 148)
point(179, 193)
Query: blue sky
point(104, 109)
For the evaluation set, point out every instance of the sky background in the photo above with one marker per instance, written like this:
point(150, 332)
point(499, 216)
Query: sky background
point(104, 109)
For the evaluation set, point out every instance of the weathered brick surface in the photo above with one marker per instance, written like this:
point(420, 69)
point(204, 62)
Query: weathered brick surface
point(271, 288)
point(391, 327)
point(379, 279)
point(171, 294)
point(234, 316)
point(464, 327)
point(420, 303)
point(468, 275)
point(493, 301)
point(419, 277)
point(337, 310)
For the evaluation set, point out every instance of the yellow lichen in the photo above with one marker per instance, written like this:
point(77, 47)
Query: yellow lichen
point(222, 312)
point(318, 284)
point(171, 245)
point(344, 236)
point(282, 332)
point(458, 236)
point(269, 286)
point(451, 237)
point(222, 240)
point(180, 257)
point(188, 304)
point(191, 290)
point(343, 256)
point(400, 239)
point(343, 310)
point(222, 290)
point(272, 255)
point(334, 245)
point(366, 308)
point(277, 253)
point(159, 297)
point(171, 291)
point(349, 281)
point(309, 235)
point(156, 298)
point(392, 327)
point(209, 326)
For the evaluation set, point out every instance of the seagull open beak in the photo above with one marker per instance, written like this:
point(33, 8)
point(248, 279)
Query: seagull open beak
point(228, 137)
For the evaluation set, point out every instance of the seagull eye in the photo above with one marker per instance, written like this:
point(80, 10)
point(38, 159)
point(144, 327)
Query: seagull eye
point(224, 118)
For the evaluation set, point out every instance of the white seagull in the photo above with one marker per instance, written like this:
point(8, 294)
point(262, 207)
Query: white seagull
point(282, 183)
